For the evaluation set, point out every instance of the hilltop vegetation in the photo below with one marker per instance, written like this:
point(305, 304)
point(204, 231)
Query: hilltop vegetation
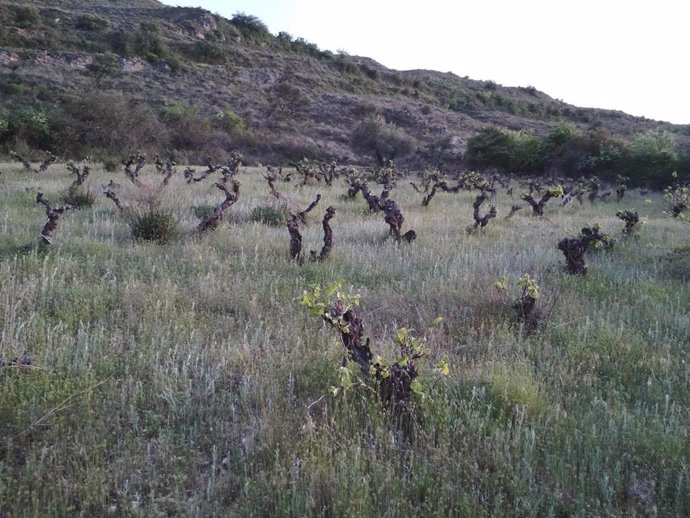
point(79, 79)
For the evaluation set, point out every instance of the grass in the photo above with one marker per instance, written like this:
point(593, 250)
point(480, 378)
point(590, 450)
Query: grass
point(184, 379)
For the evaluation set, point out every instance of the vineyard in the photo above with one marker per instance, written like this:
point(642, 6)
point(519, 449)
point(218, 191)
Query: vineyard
point(317, 340)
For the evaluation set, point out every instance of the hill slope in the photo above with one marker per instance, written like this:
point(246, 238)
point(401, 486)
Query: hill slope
point(186, 79)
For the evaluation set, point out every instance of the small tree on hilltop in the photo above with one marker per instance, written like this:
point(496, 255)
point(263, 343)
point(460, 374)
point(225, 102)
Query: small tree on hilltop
point(102, 66)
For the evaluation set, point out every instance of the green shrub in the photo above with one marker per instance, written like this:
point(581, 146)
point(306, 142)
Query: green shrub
point(31, 124)
point(88, 22)
point(149, 44)
point(107, 125)
point(102, 66)
point(248, 23)
point(203, 211)
point(269, 215)
point(345, 64)
point(173, 109)
point(382, 140)
point(516, 151)
point(111, 163)
point(79, 197)
point(156, 225)
point(26, 17)
point(205, 52)
point(230, 121)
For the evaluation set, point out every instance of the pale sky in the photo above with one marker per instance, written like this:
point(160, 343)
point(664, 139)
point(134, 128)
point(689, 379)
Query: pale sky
point(627, 55)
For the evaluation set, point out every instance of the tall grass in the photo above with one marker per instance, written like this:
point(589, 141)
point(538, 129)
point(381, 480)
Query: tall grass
point(184, 379)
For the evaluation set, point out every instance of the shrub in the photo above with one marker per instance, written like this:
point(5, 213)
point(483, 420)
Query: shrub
point(31, 124)
point(677, 199)
point(191, 131)
point(110, 163)
point(285, 39)
point(206, 52)
point(559, 137)
point(173, 109)
point(26, 16)
point(88, 22)
point(269, 215)
point(149, 44)
point(203, 211)
point(248, 23)
point(123, 42)
point(108, 125)
point(102, 66)
point(382, 140)
point(517, 151)
point(79, 197)
point(652, 156)
point(156, 225)
point(286, 100)
point(230, 121)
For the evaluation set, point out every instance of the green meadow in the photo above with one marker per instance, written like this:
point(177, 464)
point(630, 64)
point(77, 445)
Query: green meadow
point(185, 379)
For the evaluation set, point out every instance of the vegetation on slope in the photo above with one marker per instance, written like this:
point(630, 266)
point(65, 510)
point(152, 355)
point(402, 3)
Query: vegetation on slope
point(192, 85)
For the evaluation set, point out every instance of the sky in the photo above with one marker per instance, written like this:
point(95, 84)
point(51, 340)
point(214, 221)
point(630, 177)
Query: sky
point(628, 55)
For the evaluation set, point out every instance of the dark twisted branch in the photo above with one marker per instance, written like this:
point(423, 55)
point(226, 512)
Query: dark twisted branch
point(303, 215)
point(538, 206)
point(396, 384)
point(109, 192)
point(351, 329)
point(167, 169)
point(271, 177)
point(295, 238)
point(327, 237)
point(328, 172)
point(54, 214)
point(49, 160)
point(232, 168)
point(293, 225)
point(395, 219)
point(80, 173)
point(482, 221)
point(354, 183)
point(375, 202)
point(138, 161)
point(574, 248)
point(513, 210)
point(189, 173)
point(20, 158)
point(631, 218)
point(232, 194)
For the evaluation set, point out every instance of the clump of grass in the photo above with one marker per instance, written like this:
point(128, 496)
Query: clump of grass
point(269, 215)
point(203, 211)
point(79, 197)
point(155, 225)
point(150, 211)
point(677, 263)
point(517, 385)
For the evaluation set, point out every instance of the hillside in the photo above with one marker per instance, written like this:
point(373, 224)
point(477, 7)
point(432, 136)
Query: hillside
point(195, 85)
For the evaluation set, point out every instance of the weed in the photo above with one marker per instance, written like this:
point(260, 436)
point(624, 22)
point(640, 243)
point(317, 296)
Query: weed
point(269, 215)
point(158, 226)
